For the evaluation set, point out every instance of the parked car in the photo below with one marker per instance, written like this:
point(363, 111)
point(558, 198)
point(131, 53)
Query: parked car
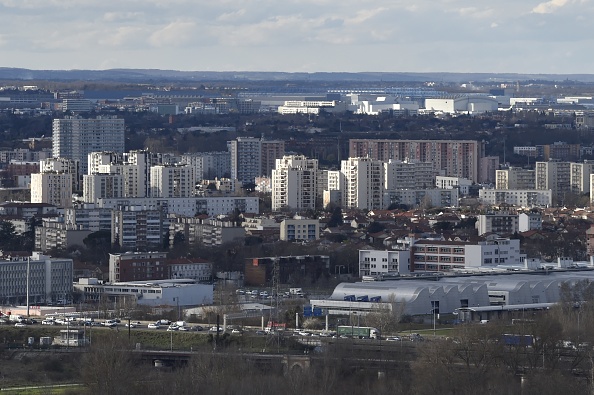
point(154, 325)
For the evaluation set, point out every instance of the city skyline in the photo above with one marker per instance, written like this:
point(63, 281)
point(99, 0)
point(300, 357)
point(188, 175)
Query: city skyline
point(305, 36)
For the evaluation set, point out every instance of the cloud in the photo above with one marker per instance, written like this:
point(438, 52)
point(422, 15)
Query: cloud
point(176, 33)
point(549, 7)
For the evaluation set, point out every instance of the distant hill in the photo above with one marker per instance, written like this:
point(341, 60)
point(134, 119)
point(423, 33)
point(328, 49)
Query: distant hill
point(153, 75)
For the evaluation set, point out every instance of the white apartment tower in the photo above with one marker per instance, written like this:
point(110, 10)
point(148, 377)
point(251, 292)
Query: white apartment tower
point(294, 183)
point(76, 137)
point(580, 176)
point(555, 176)
point(52, 188)
point(364, 183)
point(102, 186)
point(169, 181)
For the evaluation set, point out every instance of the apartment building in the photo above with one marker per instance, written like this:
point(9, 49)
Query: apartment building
point(422, 197)
point(76, 137)
point(515, 178)
point(300, 229)
point(172, 181)
point(209, 165)
point(138, 266)
point(384, 263)
point(102, 186)
point(294, 183)
point(93, 219)
point(501, 223)
point(208, 232)
point(55, 233)
point(457, 158)
point(52, 188)
point(364, 183)
point(134, 227)
point(555, 176)
point(516, 197)
point(253, 157)
point(580, 176)
point(408, 175)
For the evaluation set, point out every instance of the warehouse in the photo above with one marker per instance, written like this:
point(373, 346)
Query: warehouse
point(449, 293)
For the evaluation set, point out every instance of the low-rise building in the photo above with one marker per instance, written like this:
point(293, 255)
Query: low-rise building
point(56, 234)
point(517, 197)
point(383, 263)
point(300, 229)
point(209, 232)
point(174, 293)
point(50, 279)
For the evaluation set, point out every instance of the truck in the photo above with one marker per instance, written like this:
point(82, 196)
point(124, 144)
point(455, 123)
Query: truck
point(361, 332)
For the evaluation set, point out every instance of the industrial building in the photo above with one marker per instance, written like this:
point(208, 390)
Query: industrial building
point(450, 294)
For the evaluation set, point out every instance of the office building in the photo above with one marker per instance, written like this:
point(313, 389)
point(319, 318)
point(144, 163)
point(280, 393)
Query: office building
point(50, 279)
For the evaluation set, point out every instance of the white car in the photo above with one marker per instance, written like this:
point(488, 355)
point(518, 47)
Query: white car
point(20, 325)
point(110, 323)
point(48, 322)
point(215, 329)
point(236, 332)
point(134, 324)
point(184, 328)
point(154, 325)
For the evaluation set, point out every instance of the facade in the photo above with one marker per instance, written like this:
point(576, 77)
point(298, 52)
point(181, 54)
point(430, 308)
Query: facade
point(56, 234)
point(75, 137)
point(62, 165)
point(133, 227)
point(580, 176)
point(422, 197)
point(52, 188)
point(258, 271)
point(487, 167)
point(209, 165)
point(383, 263)
point(408, 175)
point(515, 178)
point(93, 219)
point(529, 221)
point(192, 206)
point(194, 268)
point(456, 158)
point(555, 176)
point(172, 181)
point(462, 184)
point(300, 229)
point(102, 186)
point(252, 157)
point(138, 266)
point(50, 279)
point(209, 232)
point(364, 183)
point(180, 293)
point(516, 197)
point(500, 223)
point(294, 183)
point(438, 256)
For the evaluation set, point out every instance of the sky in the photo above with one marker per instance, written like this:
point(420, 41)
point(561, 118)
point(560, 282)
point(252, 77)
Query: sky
point(522, 36)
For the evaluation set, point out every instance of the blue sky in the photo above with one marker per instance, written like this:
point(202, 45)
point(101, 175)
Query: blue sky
point(521, 36)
